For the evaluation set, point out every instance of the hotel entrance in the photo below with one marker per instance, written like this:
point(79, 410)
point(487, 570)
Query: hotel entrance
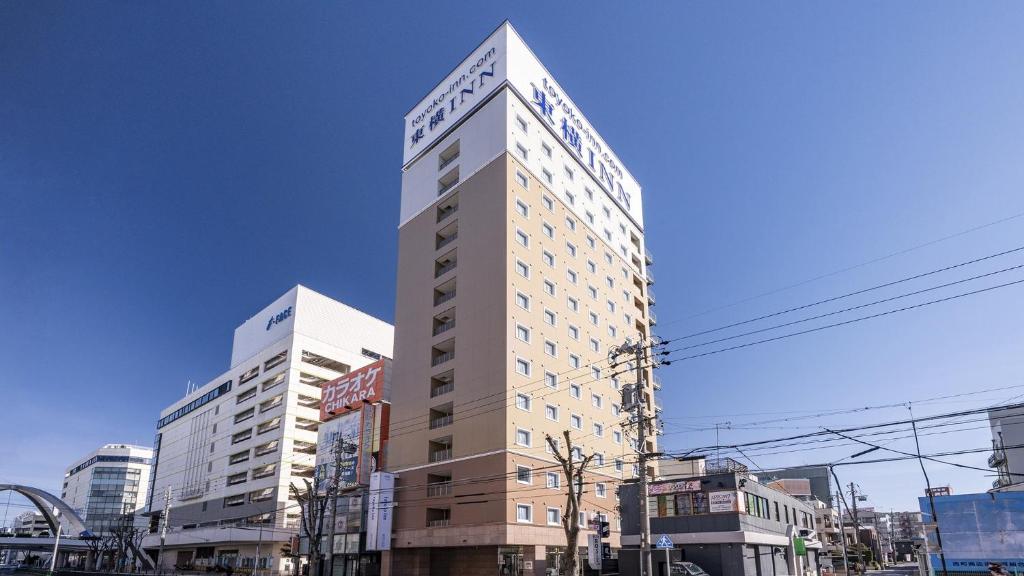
point(510, 561)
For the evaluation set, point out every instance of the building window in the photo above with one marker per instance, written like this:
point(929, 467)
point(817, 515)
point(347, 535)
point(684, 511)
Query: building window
point(550, 349)
point(598, 430)
point(571, 276)
point(574, 391)
point(548, 230)
point(523, 401)
point(237, 478)
point(548, 443)
point(553, 481)
point(549, 287)
point(595, 345)
point(549, 317)
point(236, 500)
point(524, 513)
point(570, 223)
point(522, 208)
point(612, 331)
point(574, 361)
point(551, 379)
point(570, 198)
point(568, 173)
point(617, 437)
point(245, 415)
point(242, 397)
point(615, 407)
point(571, 249)
point(592, 291)
point(523, 437)
point(618, 465)
point(549, 258)
point(523, 366)
point(596, 400)
point(522, 333)
point(523, 238)
point(551, 412)
point(547, 175)
point(595, 372)
point(574, 333)
point(590, 218)
point(591, 267)
point(554, 517)
point(522, 179)
point(523, 269)
point(524, 475)
point(573, 304)
point(593, 318)
point(547, 202)
point(241, 436)
point(522, 123)
point(590, 242)
point(522, 151)
point(523, 301)
point(576, 421)
point(546, 149)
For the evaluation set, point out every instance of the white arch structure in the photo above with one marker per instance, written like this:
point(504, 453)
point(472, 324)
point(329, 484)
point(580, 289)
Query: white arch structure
point(46, 503)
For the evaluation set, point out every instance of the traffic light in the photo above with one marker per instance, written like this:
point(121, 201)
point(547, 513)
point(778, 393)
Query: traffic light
point(604, 530)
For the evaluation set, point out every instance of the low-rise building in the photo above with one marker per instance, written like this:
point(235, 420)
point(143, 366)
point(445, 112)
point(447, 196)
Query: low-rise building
point(725, 521)
point(30, 524)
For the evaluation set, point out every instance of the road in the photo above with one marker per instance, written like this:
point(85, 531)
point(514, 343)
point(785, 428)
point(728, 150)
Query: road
point(900, 570)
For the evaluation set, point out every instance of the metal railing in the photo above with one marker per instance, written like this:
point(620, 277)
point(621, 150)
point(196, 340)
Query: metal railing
point(996, 458)
point(648, 257)
point(442, 298)
point(447, 187)
point(650, 297)
point(442, 214)
point(441, 455)
point(446, 161)
point(438, 523)
point(442, 242)
point(439, 489)
point(442, 358)
point(650, 276)
point(444, 327)
point(442, 389)
point(441, 421)
point(653, 317)
point(444, 269)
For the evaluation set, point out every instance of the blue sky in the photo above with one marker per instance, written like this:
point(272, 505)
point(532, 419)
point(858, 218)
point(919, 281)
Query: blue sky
point(168, 169)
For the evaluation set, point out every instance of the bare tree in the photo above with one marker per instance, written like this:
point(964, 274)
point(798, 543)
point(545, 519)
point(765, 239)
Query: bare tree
point(313, 507)
point(571, 518)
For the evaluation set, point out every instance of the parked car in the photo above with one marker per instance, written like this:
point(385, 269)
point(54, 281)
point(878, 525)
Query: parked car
point(687, 569)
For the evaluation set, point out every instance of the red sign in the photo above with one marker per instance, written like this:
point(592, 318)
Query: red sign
point(348, 393)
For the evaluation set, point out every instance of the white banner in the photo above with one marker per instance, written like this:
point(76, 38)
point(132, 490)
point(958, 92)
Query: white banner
point(379, 511)
point(594, 551)
point(723, 501)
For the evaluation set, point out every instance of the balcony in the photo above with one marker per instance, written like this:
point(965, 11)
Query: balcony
point(444, 322)
point(650, 277)
point(443, 268)
point(658, 406)
point(442, 358)
point(438, 517)
point(651, 300)
point(653, 317)
point(439, 485)
point(443, 241)
point(996, 458)
point(448, 181)
point(442, 384)
point(449, 155)
point(440, 421)
point(447, 208)
point(656, 382)
point(648, 258)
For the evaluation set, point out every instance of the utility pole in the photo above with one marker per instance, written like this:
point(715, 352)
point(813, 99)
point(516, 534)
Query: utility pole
point(639, 401)
point(931, 496)
point(56, 546)
point(340, 447)
point(842, 533)
point(164, 518)
point(259, 542)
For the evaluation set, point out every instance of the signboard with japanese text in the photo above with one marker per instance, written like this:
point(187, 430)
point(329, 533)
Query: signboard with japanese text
point(341, 438)
point(594, 551)
point(724, 501)
point(673, 487)
point(368, 384)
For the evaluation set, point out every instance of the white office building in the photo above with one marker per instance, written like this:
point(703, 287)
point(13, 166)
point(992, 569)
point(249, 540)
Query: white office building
point(108, 485)
point(227, 452)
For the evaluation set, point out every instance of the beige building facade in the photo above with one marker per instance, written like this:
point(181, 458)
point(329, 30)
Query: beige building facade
point(521, 262)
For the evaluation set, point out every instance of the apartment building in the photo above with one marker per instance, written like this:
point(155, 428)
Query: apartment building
point(30, 524)
point(228, 451)
point(1007, 456)
point(521, 262)
point(109, 485)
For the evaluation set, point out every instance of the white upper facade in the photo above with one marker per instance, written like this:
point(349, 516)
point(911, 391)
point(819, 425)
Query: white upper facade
point(504, 60)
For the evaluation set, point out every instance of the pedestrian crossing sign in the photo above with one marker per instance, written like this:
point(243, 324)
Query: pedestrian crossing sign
point(664, 542)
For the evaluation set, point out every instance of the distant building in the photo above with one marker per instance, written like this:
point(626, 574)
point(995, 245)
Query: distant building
point(228, 451)
point(30, 524)
point(725, 521)
point(109, 484)
point(819, 478)
point(1007, 457)
point(976, 529)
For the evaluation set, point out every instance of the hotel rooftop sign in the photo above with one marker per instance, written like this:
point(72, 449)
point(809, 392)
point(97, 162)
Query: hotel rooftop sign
point(504, 59)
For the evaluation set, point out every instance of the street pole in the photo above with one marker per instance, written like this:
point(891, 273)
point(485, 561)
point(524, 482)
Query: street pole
point(259, 542)
point(163, 530)
point(842, 533)
point(639, 400)
point(931, 496)
point(56, 546)
point(332, 493)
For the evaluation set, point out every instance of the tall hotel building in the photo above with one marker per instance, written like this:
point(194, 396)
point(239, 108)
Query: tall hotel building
point(227, 452)
point(108, 486)
point(521, 261)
